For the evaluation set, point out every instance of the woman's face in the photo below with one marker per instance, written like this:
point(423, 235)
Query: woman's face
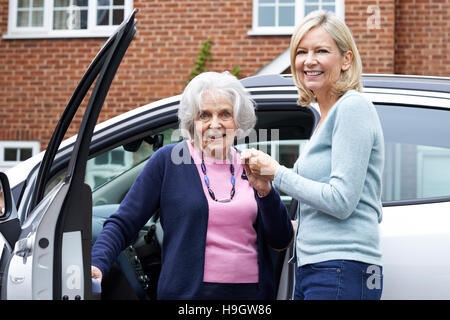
point(215, 127)
point(318, 61)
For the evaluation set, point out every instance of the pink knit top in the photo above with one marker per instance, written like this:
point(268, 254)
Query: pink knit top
point(231, 245)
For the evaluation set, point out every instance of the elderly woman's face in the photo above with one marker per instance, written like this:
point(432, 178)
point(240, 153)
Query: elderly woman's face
point(215, 127)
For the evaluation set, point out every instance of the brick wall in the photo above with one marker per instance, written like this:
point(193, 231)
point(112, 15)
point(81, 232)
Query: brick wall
point(38, 76)
point(373, 25)
point(422, 37)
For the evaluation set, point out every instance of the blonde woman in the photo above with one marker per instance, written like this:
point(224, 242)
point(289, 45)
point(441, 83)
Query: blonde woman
point(337, 178)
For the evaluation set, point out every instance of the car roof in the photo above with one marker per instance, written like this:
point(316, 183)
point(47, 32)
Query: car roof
point(407, 82)
point(388, 81)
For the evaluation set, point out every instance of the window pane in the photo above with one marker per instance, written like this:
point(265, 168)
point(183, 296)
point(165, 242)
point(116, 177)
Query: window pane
point(23, 19)
point(266, 17)
point(38, 3)
point(62, 3)
point(102, 159)
point(415, 172)
point(84, 19)
point(117, 16)
point(286, 1)
point(102, 17)
point(59, 20)
point(23, 4)
point(328, 8)
point(100, 180)
point(82, 3)
point(117, 157)
point(310, 8)
point(285, 132)
point(417, 161)
point(267, 1)
point(103, 2)
point(25, 154)
point(286, 16)
point(37, 19)
point(288, 155)
point(10, 154)
point(311, 1)
point(114, 163)
point(71, 19)
point(118, 2)
point(435, 171)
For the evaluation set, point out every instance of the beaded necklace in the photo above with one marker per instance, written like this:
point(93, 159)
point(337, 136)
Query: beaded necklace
point(211, 193)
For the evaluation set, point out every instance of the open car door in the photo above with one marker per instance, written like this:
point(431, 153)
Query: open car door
point(49, 255)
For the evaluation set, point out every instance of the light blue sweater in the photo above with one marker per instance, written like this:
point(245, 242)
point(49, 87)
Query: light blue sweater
point(337, 181)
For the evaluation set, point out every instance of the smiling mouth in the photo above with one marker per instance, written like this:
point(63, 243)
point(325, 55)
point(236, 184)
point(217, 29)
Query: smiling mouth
point(313, 73)
point(215, 137)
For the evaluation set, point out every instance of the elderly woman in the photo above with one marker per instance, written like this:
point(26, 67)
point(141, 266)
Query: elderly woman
point(217, 222)
point(337, 178)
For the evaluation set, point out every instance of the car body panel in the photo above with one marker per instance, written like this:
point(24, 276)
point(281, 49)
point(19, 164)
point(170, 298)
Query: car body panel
point(30, 272)
point(415, 241)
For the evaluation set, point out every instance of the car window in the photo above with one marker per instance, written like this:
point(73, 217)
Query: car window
point(112, 164)
point(281, 133)
point(417, 159)
point(111, 173)
point(417, 152)
point(285, 152)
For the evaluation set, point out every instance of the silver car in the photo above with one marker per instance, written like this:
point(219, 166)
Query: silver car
point(56, 202)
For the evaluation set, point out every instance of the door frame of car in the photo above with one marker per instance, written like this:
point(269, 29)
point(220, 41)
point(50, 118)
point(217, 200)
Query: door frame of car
point(50, 259)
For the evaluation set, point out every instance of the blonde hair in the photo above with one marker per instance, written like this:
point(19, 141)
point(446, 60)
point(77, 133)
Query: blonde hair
point(351, 78)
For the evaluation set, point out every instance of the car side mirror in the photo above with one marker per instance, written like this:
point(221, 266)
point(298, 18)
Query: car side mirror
point(5, 197)
point(133, 146)
point(156, 141)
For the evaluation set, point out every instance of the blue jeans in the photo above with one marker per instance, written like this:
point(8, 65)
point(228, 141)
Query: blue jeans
point(338, 280)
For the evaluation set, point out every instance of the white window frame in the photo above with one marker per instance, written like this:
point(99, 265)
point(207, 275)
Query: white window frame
point(35, 147)
point(299, 14)
point(46, 31)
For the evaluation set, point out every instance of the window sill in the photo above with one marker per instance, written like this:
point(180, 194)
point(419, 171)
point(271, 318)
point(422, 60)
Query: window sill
point(271, 32)
point(18, 36)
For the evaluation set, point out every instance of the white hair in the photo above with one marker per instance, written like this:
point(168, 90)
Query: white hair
point(215, 84)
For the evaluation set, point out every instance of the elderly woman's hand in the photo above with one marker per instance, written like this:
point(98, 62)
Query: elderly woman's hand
point(261, 185)
point(260, 163)
point(96, 273)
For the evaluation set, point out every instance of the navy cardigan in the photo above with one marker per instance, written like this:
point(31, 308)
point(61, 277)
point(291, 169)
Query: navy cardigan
point(176, 189)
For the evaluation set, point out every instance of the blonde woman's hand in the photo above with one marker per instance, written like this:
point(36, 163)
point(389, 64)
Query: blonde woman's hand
point(260, 163)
